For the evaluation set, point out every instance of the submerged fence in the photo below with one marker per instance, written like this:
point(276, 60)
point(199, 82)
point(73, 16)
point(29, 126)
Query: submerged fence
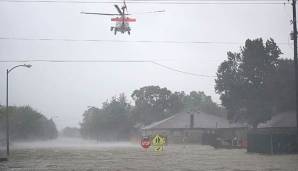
point(273, 141)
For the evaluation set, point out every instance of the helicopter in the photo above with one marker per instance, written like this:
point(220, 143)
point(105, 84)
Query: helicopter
point(122, 20)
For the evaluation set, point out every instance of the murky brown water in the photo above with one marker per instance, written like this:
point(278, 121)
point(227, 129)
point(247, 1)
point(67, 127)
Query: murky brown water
point(126, 156)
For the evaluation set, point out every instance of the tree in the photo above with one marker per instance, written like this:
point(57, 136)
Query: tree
point(116, 118)
point(284, 86)
point(199, 101)
point(153, 103)
point(111, 122)
point(91, 121)
point(28, 124)
point(2, 123)
point(245, 81)
point(117, 113)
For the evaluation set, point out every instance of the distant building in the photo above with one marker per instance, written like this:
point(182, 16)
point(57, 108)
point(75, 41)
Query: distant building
point(195, 127)
point(276, 136)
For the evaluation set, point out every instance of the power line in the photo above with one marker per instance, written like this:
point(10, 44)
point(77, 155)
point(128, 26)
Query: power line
point(75, 61)
point(116, 41)
point(187, 2)
point(207, 0)
point(110, 61)
point(130, 41)
point(183, 72)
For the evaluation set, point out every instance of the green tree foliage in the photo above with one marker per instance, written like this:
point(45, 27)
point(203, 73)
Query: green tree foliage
point(28, 124)
point(91, 122)
point(153, 103)
point(249, 82)
point(199, 101)
point(111, 122)
point(117, 117)
point(2, 123)
point(284, 86)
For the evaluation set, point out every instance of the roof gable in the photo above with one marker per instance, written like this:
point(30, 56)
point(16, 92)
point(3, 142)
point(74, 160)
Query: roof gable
point(201, 120)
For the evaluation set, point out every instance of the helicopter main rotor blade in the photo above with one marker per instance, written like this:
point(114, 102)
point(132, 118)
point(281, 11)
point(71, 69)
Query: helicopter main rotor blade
point(149, 12)
point(156, 11)
point(95, 13)
point(118, 9)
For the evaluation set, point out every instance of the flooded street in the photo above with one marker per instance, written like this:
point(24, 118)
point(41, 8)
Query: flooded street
point(126, 156)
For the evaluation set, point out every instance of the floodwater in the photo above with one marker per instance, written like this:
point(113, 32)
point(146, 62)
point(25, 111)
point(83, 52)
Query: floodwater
point(83, 155)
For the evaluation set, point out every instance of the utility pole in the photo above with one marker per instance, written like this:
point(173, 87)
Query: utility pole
point(295, 55)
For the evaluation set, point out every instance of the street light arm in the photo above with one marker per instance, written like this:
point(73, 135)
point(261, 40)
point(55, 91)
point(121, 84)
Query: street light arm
point(23, 65)
point(7, 117)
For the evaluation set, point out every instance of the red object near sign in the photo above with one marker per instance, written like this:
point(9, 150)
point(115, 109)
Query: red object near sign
point(145, 142)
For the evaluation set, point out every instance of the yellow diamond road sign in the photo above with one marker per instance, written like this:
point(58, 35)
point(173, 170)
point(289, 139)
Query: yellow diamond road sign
point(158, 141)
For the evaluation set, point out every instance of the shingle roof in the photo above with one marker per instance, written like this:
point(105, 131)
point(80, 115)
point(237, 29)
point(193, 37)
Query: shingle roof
point(286, 119)
point(201, 120)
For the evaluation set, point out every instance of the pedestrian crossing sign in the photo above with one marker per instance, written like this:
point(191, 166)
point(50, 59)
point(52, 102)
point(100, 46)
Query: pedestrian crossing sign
point(158, 143)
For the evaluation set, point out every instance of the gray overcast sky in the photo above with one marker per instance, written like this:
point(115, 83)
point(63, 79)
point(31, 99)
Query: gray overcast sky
point(66, 89)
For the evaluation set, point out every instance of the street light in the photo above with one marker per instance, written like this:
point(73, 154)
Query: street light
point(7, 119)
